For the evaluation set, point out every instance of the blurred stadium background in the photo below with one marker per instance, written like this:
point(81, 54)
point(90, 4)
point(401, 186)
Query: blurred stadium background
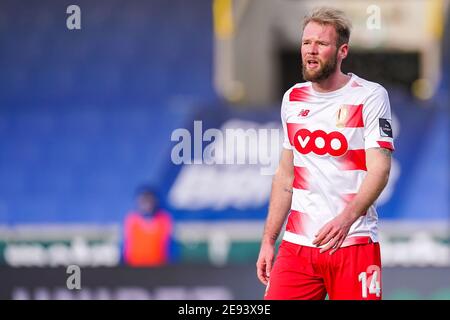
point(87, 115)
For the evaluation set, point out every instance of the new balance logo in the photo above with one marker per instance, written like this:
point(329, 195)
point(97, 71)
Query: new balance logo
point(303, 113)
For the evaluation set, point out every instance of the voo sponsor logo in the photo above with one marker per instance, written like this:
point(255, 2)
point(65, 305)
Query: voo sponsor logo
point(320, 142)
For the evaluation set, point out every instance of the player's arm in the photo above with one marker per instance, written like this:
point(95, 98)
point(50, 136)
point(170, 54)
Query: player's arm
point(378, 162)
point(279, 205)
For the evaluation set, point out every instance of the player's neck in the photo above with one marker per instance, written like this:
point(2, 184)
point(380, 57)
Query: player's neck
point(334, 82)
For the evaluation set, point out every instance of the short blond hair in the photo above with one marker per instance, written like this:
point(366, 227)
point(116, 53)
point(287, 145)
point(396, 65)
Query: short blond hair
point(333, 17)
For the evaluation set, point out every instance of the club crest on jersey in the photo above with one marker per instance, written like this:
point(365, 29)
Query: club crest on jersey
point(341, 116)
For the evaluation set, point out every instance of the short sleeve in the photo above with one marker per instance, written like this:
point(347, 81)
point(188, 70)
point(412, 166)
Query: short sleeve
point(378, 121)
point(286, 142)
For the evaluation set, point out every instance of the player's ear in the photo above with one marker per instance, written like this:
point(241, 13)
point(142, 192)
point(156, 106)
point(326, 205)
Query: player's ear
point(343, 51)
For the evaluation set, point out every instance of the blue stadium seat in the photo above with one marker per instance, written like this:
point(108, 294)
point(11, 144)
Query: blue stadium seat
point(86, 116)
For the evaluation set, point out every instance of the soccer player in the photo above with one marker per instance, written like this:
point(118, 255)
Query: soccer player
point(335, 162)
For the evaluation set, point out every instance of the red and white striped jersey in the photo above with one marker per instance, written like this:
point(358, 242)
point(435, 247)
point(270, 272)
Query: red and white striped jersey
point(329, 133)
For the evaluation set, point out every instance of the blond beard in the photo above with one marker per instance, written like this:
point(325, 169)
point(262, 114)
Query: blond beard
point(324, 71)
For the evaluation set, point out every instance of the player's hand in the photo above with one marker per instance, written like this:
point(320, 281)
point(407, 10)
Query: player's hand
point(265, 261)
point(333, 233)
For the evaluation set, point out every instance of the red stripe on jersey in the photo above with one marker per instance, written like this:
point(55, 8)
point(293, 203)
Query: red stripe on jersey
point(300, 178)
point(292, 129)
point(299, 94)
point(386, 145)
point(354, 160)
point(355, 116)
point(351, 241)
point(295, 223)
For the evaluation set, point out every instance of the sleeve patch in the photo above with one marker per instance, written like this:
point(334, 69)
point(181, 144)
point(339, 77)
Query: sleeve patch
point(385, 127)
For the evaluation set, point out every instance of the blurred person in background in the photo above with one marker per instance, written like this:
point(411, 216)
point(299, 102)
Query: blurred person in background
point(335, 163)
point(148, 232)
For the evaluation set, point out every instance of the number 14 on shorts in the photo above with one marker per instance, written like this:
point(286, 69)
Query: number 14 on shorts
point(370, 284)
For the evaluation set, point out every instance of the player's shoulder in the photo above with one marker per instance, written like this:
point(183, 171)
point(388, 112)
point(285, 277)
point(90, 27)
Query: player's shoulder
point(370, 88)
point(301, 88)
